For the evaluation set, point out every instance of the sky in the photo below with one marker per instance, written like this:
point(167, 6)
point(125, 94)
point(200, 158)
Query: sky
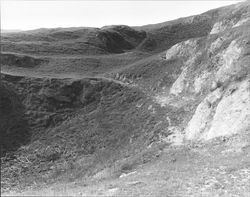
point(26, 15)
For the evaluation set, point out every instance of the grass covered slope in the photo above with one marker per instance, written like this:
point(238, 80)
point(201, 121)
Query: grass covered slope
point(152, 110)
point(92, 121)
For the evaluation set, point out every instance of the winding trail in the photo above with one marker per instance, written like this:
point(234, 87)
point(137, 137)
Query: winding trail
point(61, 76)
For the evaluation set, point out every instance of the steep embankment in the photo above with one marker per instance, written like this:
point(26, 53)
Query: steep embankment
point(215, 73)
point(13, 126)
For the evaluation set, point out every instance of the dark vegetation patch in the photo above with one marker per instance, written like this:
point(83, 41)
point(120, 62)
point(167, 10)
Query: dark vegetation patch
point(118, 39)
point(11, 59)
point(14, 129)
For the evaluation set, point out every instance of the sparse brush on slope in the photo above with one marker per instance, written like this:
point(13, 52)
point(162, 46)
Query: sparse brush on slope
point(75, 119)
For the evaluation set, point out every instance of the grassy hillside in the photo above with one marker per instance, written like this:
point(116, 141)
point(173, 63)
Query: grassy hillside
point(77, 41)
point(92, 119)
point(157, 109)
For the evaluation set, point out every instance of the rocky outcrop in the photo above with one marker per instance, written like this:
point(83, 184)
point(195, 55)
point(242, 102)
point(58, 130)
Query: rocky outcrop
point(232, 114)
point(222, 113)
point(237, 15)
point(203, 114)
point(214, 75)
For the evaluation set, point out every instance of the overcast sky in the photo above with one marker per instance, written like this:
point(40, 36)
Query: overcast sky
point(26, 15)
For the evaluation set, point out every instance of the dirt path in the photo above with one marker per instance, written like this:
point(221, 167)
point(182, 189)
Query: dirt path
point(61, 76)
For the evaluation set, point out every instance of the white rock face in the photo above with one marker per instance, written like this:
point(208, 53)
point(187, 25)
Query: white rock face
point(201, 82)
point(221, 26)
point(180, 84)
point(198, 122)
point(175, 138)
point(202, 117)
point(183, 81)
point(184, 49)
point(226, 110)
point(232, 114)
point(229, 58)
point(218, 27)
point(243, 21)
point(187, 51)
point(173, 51)
point(216, 44)
point(227, 66)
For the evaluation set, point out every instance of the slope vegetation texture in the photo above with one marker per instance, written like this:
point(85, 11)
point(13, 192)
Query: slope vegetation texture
point(155, 110)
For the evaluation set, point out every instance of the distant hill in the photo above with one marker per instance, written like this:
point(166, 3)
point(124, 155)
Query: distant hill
point(10, 30)
point(88, 41)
